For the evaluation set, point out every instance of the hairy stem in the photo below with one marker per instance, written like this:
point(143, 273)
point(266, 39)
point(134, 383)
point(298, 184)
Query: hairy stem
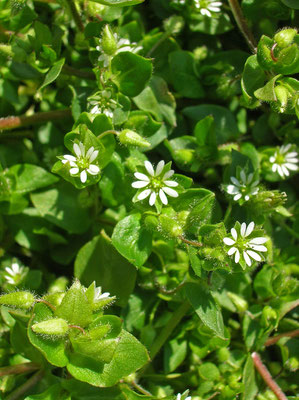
point(227, 213)
point(13, 122)
point(242, 24)
point(191, 242)
point(75, 14)
point(265, 374)
point(274, 339)
point(140, 388)
point(47, 303)
point(66, 69)
point(21, 390)
point(110, 132)
point(18, 369)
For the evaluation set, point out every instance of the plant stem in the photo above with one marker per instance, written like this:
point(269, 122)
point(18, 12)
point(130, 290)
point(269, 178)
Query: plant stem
point(274, 339)
point(21, 390)
point(13, 122)
point(18, 369)
point(191, 242)
point(111, 132)
point(227, 213)
point(66, 69)
point(47, 303)
point(242, 24)
point(140, 388)
point(265, 374)
point(76, 16)
point(168, 329)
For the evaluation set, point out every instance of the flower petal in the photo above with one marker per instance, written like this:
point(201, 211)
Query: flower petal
point(237, 256)
point(93, 169)
point(74, 171)
point(83, 176)
point(257, 247)
point(170, 192)
point(163, 197)
point(68, 157)
point(152, 199)
point(139, 184)
point(243, 229)
point(237, 197)
point(82, 148)
point(249, 229)
point(254, 255)
point(292, 167)
point(149, 167)
point(234, 233)
point(141, 176)
point(168, 174)
point(228, 241)
point(285, 170)
point(77, 150)
point(171, 183)
point(231, 251)
point(235, 181)
point(280, 171)
point(247, 258)
point(93, 156)
point(89, 152)
point(159, 167)
point(144, 194)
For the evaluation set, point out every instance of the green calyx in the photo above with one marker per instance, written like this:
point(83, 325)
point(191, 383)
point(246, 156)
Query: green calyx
point(285, 37)
point(52, 327)
point(131, 138)
point(109, 43)
point(23, 300)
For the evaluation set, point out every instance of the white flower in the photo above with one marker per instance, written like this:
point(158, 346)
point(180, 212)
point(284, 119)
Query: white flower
point(244, 188)
point(179, 397)
point(207, 7)
point(282, 161)
point(156, 183)
point(14, 273)
point(103, 104)
point(82, 162)
point(98, 295)
point(244, 246)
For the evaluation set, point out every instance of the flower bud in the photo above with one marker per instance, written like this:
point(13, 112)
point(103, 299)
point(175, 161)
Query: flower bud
point(53, 327)
point(269, 316)
point(170, 226)
point(238, 301)
point(285, 37)
point(23, 300)
point(128, 137)
point(282, 95)
point(6, 50)
point(151, 222)
point(109, 44)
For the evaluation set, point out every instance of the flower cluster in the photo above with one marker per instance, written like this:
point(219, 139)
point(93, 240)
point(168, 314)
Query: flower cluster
point(242, 245)
point(244, 187)
point(14, 273)
point(157, 183)
point(284, 161)
point(82, 163)
point(207, 7)
point(102, 103)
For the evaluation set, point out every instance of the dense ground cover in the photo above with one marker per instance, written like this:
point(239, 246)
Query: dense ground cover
point(148, 210)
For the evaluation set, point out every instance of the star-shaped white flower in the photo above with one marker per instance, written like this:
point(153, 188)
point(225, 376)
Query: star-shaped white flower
point(14, 273)
point(82, 163)
point(98, 295)
point(243, 246)
point(284, 161)
point(179, 397)
point(156, 183)
point(102, 103)
point(207, 7)
point(245, 187)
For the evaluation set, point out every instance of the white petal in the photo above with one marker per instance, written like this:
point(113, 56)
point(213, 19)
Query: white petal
point(206, 12)
point(237, 256)
point(280, 171)
point(274, 167)
point(74, 171)
point(68, 157)
point(258, 240)
point(291, 160)
point(235, 181)
point(83, 176)
point(246, 197)
point(139, 184)
point(171, 183)
point(292, 154)
point(144, 194)
point(152, 199)
point(93, 169)
point(285, 170)
point(254, 255)
point(234, 233)
point(272, 159)
point(228, 241)
point(231, 251)
point(9, 271)
point(258, 247)
point(249, 229)
point(149, 168)
point(93, 156)
point(168, 174)
point(232, 189)
point(249, 178)
point(246, 258)
point(163, 197)
point(160, 167)
point(9, 280)
point(82, 148)
point(216, 4)
point(237, 197)
point(215, 9)
point(15, 267)
point(292, 167)
point(285, 148)
point(243, 229)
point(77, 150)
point(141, 176)
point(89, 152)
point(170, 192)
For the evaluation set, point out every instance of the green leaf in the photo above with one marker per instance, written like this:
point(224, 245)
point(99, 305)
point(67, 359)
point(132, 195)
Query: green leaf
point(206, 307)
point(118, 3)
point(252, 79)
point(129, 356)
point(210, 26)
point(131, 72)
point(53, 73)
point(132, 240)
point(54, 392)
point(174, 354)
point(250, 386)
point(98, 261)
point(267, 93)
point(291, 3)
point(54, 351)
point(184, 79)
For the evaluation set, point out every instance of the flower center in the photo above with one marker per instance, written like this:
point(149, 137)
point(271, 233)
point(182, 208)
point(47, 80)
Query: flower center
point(156, 183)
point(83, 163)
point(280, 159)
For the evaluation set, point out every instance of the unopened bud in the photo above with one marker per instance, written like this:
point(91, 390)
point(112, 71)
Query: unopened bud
point(53, 327)
point(109, 44)
point(238, 301)
point(269, 316)
point(128, 137)
point(23, 300)
point(151, 222)
point(285, 37)
point(170, 226)
point(282, 95)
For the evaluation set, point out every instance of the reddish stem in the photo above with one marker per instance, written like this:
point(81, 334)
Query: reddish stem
point(272, 52)
point(191, 242)
point(78, 327)
point(274, 339)
point(265, 374)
